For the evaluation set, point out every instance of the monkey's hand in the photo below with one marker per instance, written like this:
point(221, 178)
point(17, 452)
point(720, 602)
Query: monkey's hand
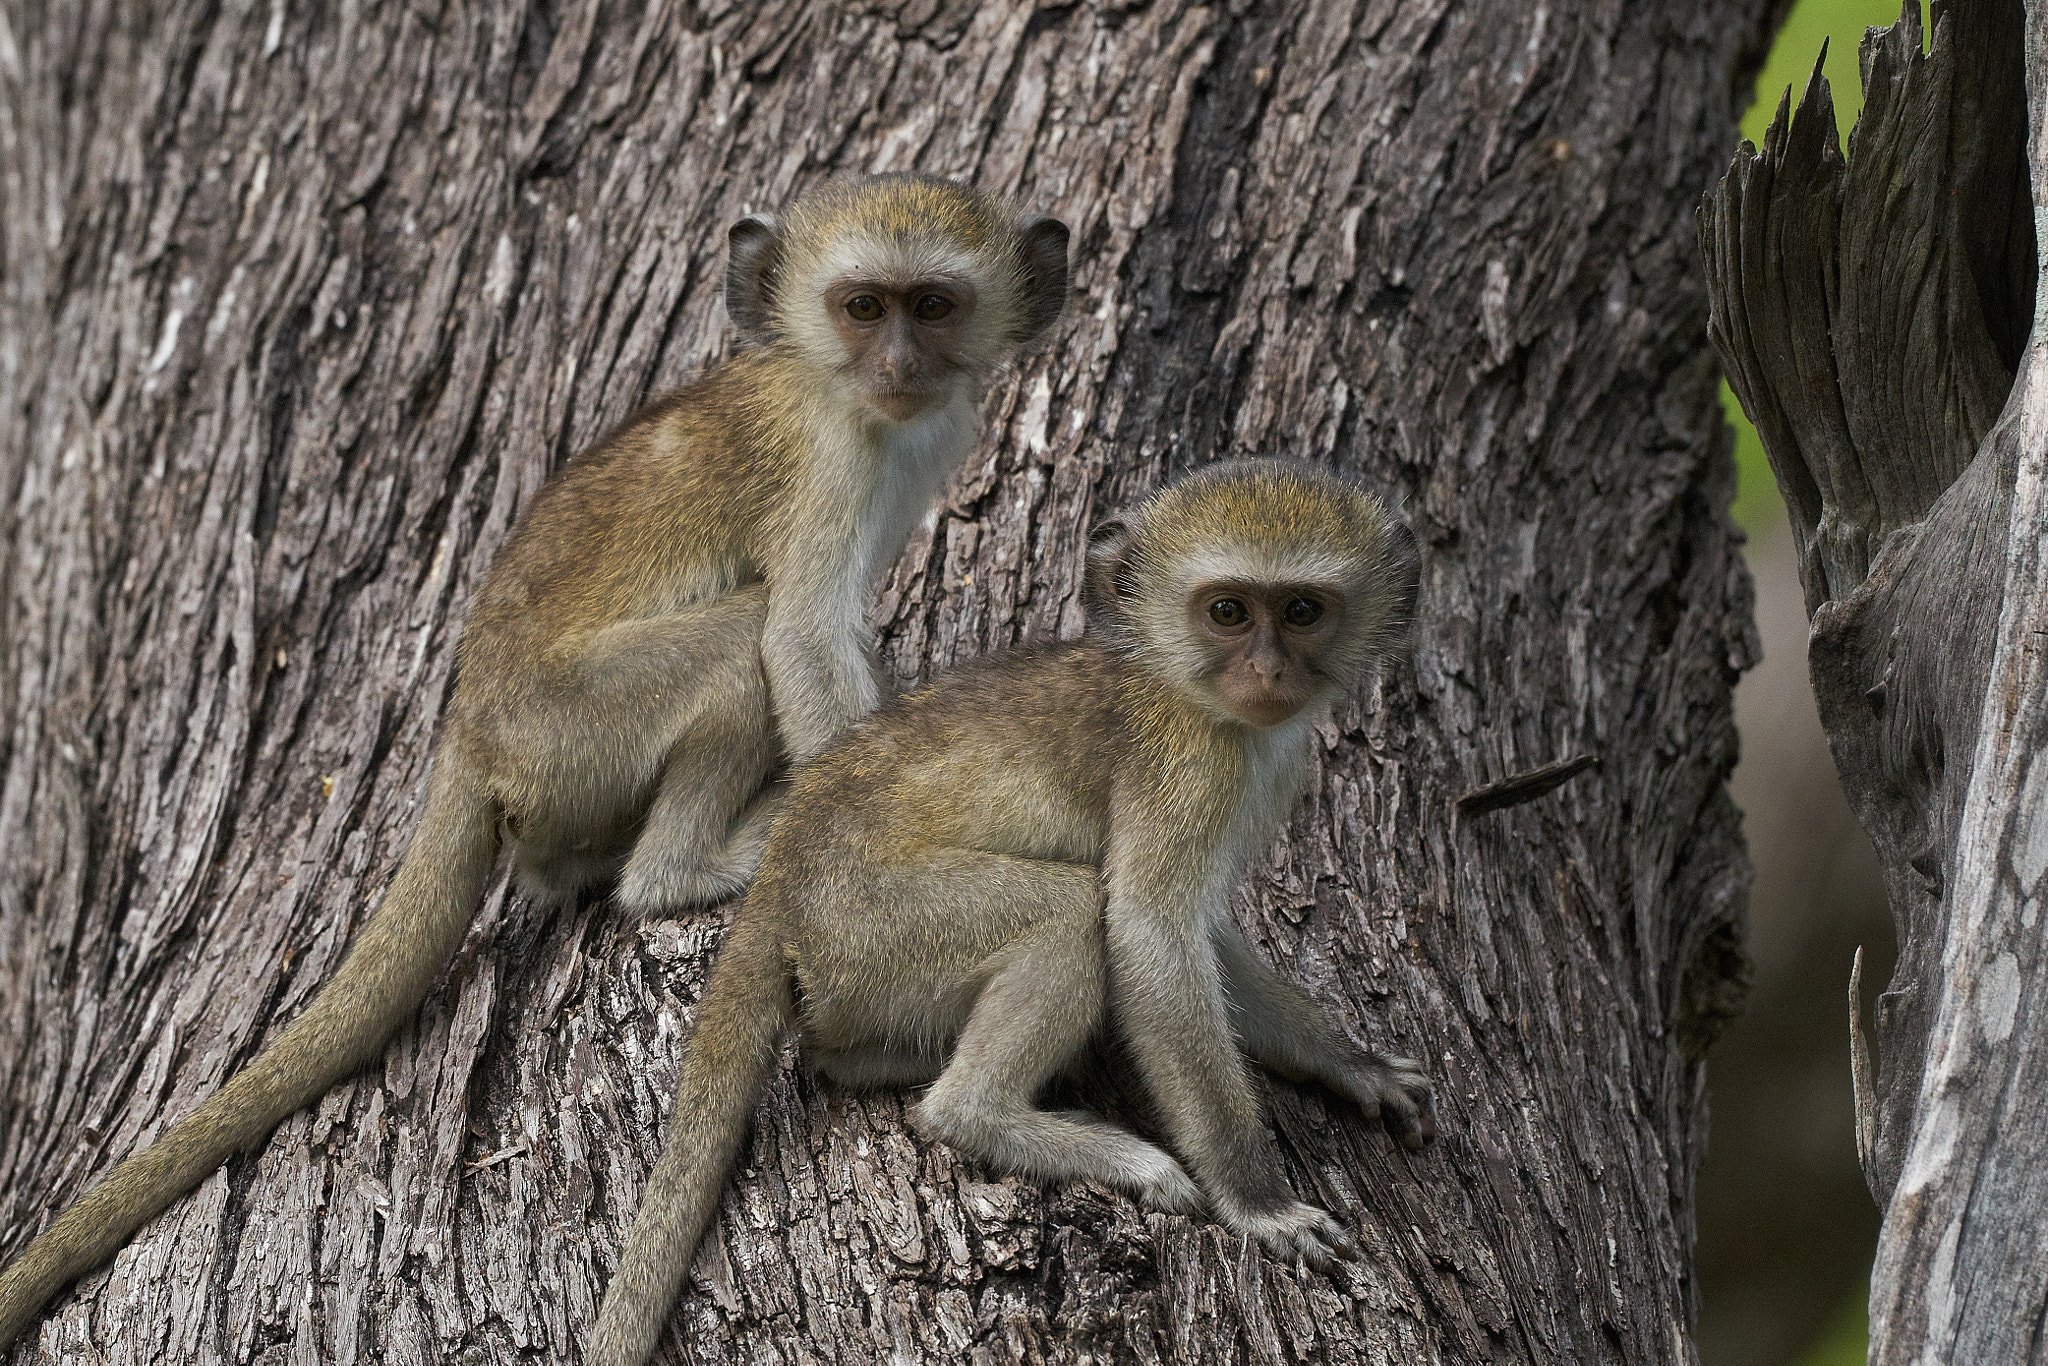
point(1395, 1092)
point(1292, 1230)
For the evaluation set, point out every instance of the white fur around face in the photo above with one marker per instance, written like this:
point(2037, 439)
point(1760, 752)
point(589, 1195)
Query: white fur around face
point(916, 458)
point(869, 483)
point(879, 479)
point(864, 256)
point(1276, 767)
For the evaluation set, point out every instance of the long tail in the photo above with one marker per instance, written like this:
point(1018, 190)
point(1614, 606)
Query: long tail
point(394, 963)
point(746, 1008)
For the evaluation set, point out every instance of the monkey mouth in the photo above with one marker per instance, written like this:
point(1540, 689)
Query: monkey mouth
point(901, 405)
point(1265, 707)
point(1269, 711)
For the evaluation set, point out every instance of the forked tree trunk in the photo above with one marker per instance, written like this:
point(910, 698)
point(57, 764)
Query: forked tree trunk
point(302, 302)
point(1879, 320)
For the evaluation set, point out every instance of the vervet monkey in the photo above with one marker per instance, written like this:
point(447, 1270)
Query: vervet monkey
point(680, 609)
point(965, 888)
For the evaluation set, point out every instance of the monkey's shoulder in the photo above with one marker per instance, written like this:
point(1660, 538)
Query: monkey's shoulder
point(1012, 753)
point(1027, 690)
point(1039, 707)
point(721, 433)
point(667, 506)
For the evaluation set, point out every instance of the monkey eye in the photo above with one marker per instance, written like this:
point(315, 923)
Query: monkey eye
point(1304, 612)
point(864, 308)
point(933, 307)
point(1228, 612)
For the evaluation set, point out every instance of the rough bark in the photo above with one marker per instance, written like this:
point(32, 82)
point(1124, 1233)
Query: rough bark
point(1878, 318)
point(302, 302)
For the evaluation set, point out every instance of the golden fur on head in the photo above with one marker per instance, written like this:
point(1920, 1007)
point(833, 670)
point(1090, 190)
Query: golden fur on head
point(1266, 523)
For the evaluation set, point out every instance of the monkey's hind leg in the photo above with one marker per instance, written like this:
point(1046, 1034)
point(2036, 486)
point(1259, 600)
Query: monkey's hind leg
point(687, 701)
point(1041, 1003)
point(690, 852)
point(876, 1066)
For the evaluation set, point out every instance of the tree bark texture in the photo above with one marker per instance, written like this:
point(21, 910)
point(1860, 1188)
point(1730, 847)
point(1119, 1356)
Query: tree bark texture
point(1879, 320)
point(301, 303)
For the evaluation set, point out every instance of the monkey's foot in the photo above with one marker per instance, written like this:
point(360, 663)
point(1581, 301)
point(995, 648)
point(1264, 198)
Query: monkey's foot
point(1395, 1092)
point(1296, 1230)
point(1149, 1175)
point(648, 888)
point(665, 871)
point(1068, 1145)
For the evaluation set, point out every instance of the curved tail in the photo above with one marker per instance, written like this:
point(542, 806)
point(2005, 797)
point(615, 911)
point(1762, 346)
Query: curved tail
point(394, 963)
point(746, 1008)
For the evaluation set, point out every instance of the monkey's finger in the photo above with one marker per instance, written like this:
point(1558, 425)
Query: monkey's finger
point(1412, 1125)
point(1313, 1253)
point(1341, 1241)
point(1318, 1258)
point(1425, 1123)
point(1325, 1242)
point(1301, 1232)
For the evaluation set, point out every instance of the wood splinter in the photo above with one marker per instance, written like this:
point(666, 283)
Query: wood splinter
point(1527, 786)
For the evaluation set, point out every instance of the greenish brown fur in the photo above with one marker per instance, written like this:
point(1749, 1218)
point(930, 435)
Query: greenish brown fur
point(986, 873)
point(679, 608)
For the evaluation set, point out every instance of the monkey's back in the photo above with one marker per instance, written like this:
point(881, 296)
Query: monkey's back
point(915, 775)
point(666, 509)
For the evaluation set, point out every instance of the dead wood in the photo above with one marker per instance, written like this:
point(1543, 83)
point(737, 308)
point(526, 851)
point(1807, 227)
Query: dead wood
point(1878, 319)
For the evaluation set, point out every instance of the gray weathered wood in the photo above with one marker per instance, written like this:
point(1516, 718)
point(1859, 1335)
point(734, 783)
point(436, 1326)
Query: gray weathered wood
point(298, 305)
point(1879, 320)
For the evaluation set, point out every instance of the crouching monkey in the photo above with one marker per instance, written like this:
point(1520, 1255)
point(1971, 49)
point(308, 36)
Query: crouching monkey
point(967, 887)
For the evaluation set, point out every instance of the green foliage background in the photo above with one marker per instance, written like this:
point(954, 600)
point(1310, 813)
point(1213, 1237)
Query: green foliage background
point(1758, 508)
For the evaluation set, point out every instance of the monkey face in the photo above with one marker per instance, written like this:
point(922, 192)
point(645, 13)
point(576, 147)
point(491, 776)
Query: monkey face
point(904, 339)
point(1266, 644)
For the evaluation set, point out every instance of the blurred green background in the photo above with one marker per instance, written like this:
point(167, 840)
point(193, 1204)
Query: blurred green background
point(1841, 1338)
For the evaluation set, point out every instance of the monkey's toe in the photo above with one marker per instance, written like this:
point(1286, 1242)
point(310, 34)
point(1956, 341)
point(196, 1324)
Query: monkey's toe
point(1305, 1232)
point(1404, 1103)
point(653, 890)
point(1171, 1190)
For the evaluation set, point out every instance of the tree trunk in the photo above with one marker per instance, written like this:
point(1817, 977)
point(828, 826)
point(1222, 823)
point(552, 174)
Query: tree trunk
point(303, 302)
point(1879, 321)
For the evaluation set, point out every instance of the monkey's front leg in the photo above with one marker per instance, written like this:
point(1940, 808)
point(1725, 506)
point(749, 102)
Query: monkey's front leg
point(818, 654)
point(1169, 996)
point(1281, 1026)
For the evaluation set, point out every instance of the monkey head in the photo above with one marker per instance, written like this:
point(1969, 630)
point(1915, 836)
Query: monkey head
point(1255, 588)
point(903, 289)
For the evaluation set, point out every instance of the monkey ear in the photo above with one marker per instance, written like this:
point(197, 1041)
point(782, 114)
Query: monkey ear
point(754, 250)
point(1109, 546)
point(1045, 273)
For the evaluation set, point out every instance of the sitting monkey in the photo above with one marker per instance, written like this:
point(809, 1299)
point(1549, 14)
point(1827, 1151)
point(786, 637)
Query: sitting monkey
point(680, 609)
point(963, 890)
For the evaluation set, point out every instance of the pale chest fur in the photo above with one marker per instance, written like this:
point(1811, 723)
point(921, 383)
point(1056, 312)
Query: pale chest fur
point(1275, 771)
point(875, 482)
